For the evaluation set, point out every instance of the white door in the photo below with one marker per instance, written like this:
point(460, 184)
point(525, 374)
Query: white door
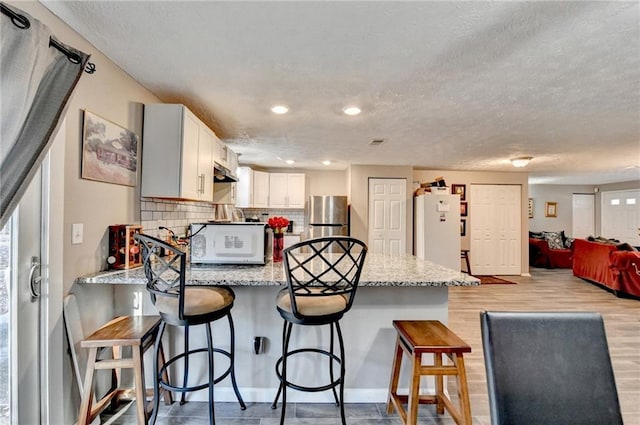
point(30, 335)
point(583, 215)
point(19, 312)
point(495, 229)
point(620, 218)
point(387, 216)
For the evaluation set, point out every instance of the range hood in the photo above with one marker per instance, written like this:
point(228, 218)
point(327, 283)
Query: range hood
point(223, 175)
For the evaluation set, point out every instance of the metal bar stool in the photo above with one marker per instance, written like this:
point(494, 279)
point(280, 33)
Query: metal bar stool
point(186, 306)
point(418, 337)
point(322, 278)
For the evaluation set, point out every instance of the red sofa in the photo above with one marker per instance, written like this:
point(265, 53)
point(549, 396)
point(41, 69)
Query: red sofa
point(607, 265)
point(540, 255)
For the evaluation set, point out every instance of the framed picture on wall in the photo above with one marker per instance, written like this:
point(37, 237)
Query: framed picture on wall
point(530, 207)
point(459, 189)
point(551, 209)
point(463, 209)
point(109, 151)
point(463, 227)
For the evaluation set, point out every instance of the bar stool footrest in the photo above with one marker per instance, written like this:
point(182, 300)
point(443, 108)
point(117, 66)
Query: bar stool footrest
point(320, 388)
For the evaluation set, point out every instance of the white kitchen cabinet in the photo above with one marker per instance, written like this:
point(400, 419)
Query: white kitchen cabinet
point(286, 190)
point(244, 197)
point(177, 156)
point(221, 154)
point(252, 188)
point(260, 194)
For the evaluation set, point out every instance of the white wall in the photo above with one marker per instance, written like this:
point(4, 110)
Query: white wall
point(563, 196)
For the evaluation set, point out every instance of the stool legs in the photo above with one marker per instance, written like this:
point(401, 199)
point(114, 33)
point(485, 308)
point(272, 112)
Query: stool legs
point(185, 378)
point(138, 373)
point(156, 378)
point(282, 388)
point(232, 350)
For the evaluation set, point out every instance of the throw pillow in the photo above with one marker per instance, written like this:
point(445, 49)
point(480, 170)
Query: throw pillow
point(625, 247)
point(536, 235)
point(568, 242)
point(554, 239)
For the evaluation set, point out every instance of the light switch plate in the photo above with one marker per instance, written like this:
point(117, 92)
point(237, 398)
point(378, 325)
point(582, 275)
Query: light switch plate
point(77, 233)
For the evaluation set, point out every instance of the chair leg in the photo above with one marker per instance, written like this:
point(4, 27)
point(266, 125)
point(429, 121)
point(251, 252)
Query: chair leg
point(414, 389)
point(342, 372)
point(167, 395)
point(335, 395)
point(156, 374)
point(284, 372)
point(284, 335)
point(212, 419)
point(437, 361)
point(232, 352)
point(138, 373)
point(185, 378)
point(84, 417)
point(395, 377)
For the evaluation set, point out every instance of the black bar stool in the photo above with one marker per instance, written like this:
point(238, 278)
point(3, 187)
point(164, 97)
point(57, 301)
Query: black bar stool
point(186, 306)
point(321, 287)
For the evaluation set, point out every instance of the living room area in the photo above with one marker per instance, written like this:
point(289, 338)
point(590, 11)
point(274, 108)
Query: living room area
point(590, 230)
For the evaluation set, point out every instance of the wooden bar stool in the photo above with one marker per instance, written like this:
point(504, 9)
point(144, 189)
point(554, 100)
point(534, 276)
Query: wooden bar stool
point(137, 332)
point(464, 254)
point(418, 337)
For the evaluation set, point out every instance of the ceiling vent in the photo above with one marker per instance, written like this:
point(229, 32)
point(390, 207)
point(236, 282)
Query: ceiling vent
point(376, 142)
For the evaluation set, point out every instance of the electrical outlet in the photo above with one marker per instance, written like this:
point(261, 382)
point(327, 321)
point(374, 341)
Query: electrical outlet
point(77, 233)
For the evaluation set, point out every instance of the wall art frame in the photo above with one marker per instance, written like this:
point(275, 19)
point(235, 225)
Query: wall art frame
point(459, 189)
point(551, 209)
point(530, 208)
point(464, 209)
point(109, 151)
point(463, 227)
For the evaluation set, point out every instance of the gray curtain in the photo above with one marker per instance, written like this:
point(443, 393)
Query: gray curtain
point(37, 81)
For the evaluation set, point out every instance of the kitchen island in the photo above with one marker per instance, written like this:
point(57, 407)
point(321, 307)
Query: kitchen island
point(392, 288)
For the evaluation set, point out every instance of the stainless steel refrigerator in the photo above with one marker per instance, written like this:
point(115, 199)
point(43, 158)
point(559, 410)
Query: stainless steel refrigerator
point(327, 216)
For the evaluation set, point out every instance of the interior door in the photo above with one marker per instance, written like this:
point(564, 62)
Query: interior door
point(620, 218)
point(583, 215)
point(496, 245)
point(20, 312)
point(387, 216)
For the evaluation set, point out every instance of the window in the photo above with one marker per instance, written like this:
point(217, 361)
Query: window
point(615, 202)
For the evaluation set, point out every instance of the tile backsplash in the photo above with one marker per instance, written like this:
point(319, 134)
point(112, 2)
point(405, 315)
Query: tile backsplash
point(177, 215)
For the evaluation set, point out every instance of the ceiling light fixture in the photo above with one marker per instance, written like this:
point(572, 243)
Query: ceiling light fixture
point(290, 161)
point(326, 162)
point(521, 161)
point(279, 109)
point(351, 110)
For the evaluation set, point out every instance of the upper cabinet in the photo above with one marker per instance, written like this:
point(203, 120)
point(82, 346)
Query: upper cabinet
point(286, 190)
point(259, 189)
point(252, 188)
point(177, 157)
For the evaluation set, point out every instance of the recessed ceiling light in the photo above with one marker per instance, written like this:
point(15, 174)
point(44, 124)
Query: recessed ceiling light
point(352, 110)
point(521, 161)
point(326, 162)
point(279, 109)
point(290, 161)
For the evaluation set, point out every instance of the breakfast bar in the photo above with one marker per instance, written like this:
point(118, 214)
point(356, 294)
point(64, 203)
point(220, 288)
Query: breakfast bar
point(391, 288)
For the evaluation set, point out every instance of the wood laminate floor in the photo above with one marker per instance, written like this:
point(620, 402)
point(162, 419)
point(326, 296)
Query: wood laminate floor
point(545, 290)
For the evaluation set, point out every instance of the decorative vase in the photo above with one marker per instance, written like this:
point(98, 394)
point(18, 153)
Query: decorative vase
point(278, 245)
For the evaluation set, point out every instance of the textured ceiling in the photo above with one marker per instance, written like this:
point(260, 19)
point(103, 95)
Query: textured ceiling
point(447, 85)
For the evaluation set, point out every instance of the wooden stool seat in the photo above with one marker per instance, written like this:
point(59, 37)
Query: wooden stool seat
point(137, 332)
point(418, 337)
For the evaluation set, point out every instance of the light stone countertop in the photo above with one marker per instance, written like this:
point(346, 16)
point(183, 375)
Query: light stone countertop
point(379, 270)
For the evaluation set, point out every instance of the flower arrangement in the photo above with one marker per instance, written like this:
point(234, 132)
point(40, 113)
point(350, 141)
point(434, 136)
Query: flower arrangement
point(278, 224)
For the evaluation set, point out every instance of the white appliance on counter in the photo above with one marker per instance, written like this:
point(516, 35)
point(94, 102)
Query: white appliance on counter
point(437, 229)
point(230, 243)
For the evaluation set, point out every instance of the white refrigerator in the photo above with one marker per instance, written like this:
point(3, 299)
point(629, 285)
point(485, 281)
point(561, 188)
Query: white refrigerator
point(437, 229)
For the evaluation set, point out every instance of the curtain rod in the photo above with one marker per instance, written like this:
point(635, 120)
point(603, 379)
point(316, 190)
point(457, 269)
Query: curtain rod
point(22, 22)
